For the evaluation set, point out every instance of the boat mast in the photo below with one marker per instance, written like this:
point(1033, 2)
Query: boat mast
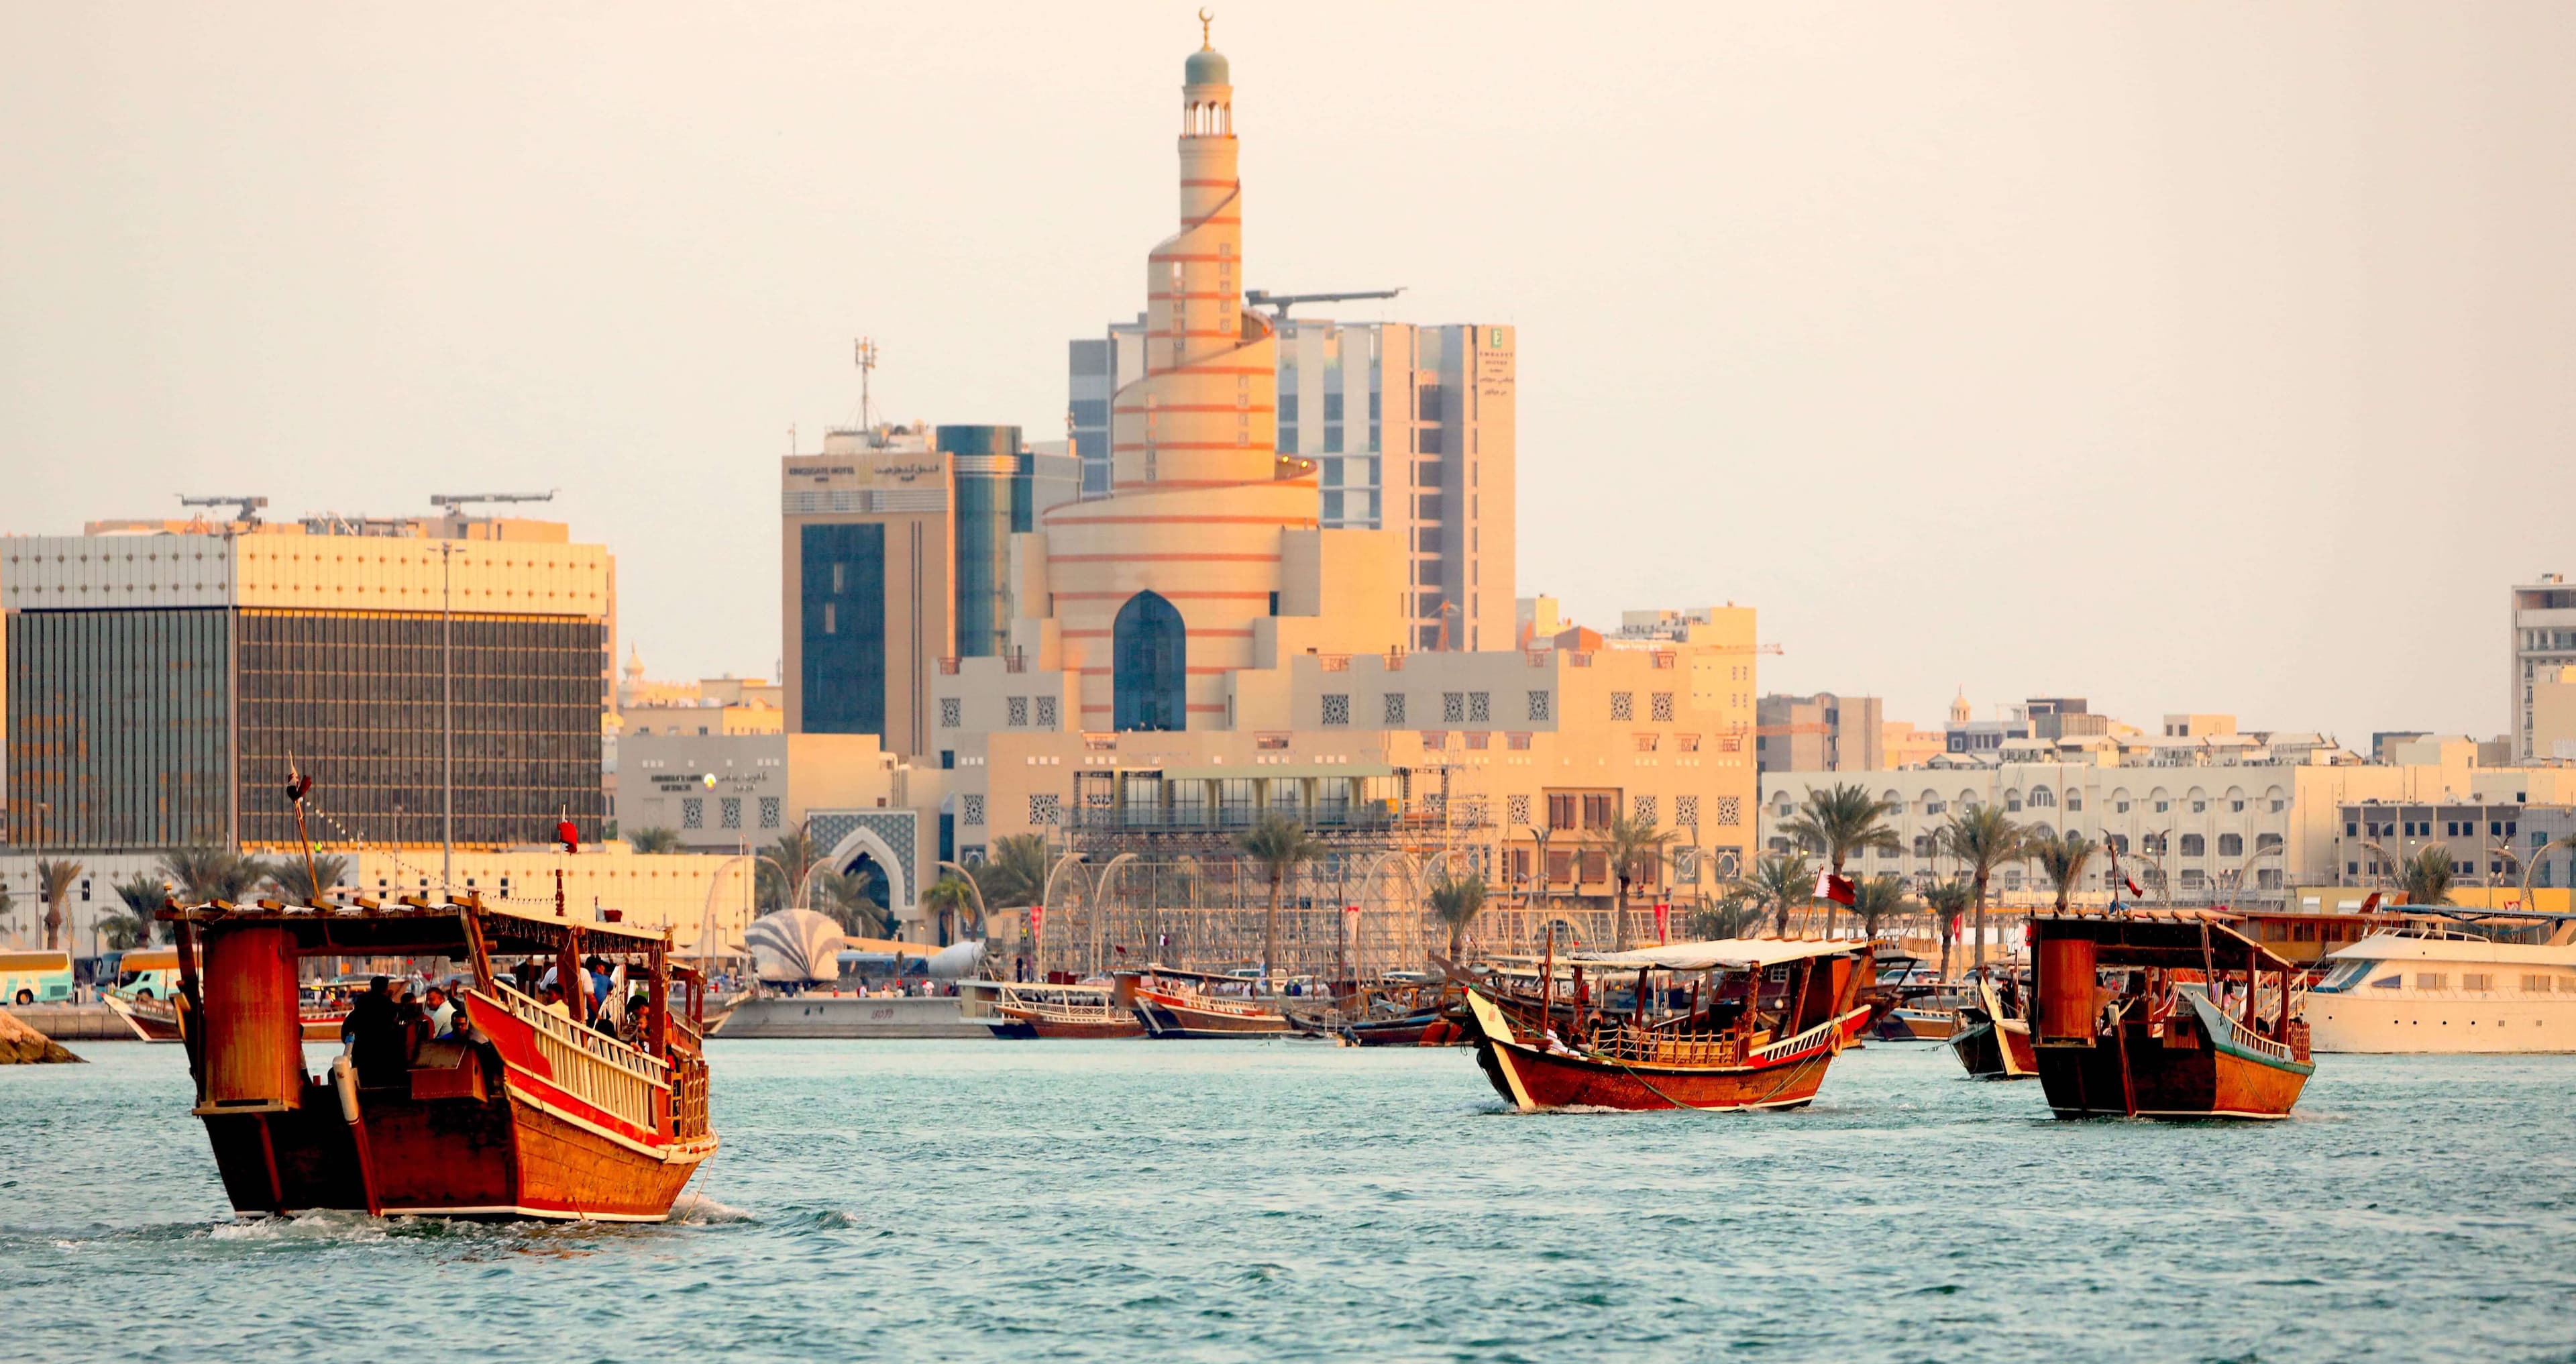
point(447, 724)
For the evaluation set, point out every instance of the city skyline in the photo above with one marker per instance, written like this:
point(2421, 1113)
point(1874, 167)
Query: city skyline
point(2149, 404)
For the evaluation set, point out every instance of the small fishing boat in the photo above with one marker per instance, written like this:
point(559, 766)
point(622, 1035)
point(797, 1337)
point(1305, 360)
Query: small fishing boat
point(1173, 1003)
point(2155, 1043)
point(1078, 1012)
point(1992, 1042)
point(533, 1112)
point(1755, 1027)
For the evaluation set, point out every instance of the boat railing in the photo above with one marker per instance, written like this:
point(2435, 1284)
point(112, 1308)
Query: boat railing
point(1628, 1042)
point(2238, 1034)
point(589, 1065)
point(1790, 1046)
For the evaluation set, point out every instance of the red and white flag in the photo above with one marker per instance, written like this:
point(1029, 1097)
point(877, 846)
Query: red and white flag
point(1835, 888)
point(1663, 923)
point(1037, 921)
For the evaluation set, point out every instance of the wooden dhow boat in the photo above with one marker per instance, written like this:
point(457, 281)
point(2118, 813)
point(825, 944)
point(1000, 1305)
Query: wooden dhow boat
point(1074, 1012)
point(2125, 1022)
point(1174, 1003)
point(530, 1113)
point(1719, 1025)
point(1992, 1042)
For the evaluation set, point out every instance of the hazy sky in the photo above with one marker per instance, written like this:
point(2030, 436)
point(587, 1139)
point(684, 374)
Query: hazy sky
point(2182, 356)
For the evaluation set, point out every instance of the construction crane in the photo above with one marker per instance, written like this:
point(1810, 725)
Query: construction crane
point(456, 501)
point(248, 506)
point(1279, 304)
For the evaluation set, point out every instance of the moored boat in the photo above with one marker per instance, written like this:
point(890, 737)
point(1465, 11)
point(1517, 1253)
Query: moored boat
point(2157, 1044)
point(1064, 1012)
point(2426, 990)
point(1991, 1042)
point(527, 1112)
point(1756, 1026)
point(1170, 1006)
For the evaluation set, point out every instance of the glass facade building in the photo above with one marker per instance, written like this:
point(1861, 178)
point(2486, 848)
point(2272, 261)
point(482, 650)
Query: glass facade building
point(163, 728)
point(1149, 652)
point(120, 728)
point(843, 627)
point(993, 500)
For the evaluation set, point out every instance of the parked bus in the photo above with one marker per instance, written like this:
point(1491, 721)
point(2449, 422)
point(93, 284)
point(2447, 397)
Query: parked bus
point(36, 977)
point(147, 973)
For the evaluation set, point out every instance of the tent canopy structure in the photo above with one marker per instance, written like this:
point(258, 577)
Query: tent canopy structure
point(795, 947)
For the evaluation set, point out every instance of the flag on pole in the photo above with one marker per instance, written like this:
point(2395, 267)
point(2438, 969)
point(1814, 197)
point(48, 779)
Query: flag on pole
point(568, 836)
point(1663, 923)
point(1835, 888)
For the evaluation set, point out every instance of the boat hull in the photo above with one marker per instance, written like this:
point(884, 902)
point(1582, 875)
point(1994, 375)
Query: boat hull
point(1917, 1025)
point(2181, 1074)
point(1037, 1023)
point(2415, 1025)
point(1984, 1057)
point(1419, 1030)
point(1165, 1016)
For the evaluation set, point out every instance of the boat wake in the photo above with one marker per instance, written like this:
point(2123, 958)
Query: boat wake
point(698, 1210)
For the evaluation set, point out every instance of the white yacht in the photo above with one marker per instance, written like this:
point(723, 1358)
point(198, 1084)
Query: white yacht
point(2428, 991)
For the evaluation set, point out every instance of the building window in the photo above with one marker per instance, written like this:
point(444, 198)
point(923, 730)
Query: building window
point(1730, 811)
point(1659, 707)
point(769, 812)
point(1538, 706)
point(970, 809)
point(2193, 845)
point(1149, 649)
point(1597, 811)
point(1045, 808)
point(1923, 845)
point(729, 813)
point(1394, 708)
point(1017, 708)
point(1046, 712)
point(2231, 845)
point(951, 712)
point(1644, 807)
point(1623, 706)
point(1337, 708)
point(1453, 708)
point(1517, 809)
point(693, 813)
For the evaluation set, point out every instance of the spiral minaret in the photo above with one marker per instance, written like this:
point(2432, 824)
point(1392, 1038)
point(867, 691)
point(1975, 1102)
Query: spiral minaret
point(1200, 497)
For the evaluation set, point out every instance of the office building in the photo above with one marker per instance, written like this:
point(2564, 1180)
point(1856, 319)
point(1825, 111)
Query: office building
point(163, 679)
point(895, 549)
point(1819, 733)
point(2544, 646)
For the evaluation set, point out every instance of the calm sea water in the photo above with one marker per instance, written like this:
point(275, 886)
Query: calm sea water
point(1155, 1200)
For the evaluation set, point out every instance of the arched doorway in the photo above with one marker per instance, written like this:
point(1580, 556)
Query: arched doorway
point(1149, 654)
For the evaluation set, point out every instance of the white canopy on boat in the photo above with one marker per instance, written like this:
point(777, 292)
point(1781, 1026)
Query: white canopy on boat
point(1733, 954)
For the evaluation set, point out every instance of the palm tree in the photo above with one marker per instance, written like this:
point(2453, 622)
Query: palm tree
point(1013, 874)
point(1780, 883)
point(298, 882)
point(655, 841)
point(1279, 844)
point(1876, 901)
point(1947, 901)
point(2062, 857)
point(1983, 838)
point(205, 874)
point(845, 900)
point(783, 868)
point(1457, 903)
point(143, 895)
point(1634, 848)
point(1728, 917)
point(1839, 821)
point(950, 898)
point(2425, 878)
point(54, 880)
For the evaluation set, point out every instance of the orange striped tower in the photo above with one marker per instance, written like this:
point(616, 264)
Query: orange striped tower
point(1200, 496)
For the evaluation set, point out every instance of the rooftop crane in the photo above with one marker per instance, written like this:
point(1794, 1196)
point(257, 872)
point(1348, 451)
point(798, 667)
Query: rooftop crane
point(1279, 304)
point(248, 506)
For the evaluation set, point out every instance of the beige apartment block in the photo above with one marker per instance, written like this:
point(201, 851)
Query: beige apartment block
point(2553, 716)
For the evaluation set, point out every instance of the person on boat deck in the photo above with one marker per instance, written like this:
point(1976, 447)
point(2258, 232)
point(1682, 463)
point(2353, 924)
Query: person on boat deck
point(439, 1009)
point(457, 1025)
point(597, 970)
point(373, 1036)
point(551, 1000)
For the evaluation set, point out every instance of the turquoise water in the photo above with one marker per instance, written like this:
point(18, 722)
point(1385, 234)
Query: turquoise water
point(1285, 1200)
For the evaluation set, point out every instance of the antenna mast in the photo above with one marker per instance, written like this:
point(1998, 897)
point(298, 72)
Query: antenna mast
point(865, 353)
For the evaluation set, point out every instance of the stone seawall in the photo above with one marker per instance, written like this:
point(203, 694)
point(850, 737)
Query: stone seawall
point(848, 1016)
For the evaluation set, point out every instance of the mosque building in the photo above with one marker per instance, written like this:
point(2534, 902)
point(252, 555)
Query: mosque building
point(1200, 646)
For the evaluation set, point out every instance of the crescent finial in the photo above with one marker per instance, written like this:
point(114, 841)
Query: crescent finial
point(1205, 19)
